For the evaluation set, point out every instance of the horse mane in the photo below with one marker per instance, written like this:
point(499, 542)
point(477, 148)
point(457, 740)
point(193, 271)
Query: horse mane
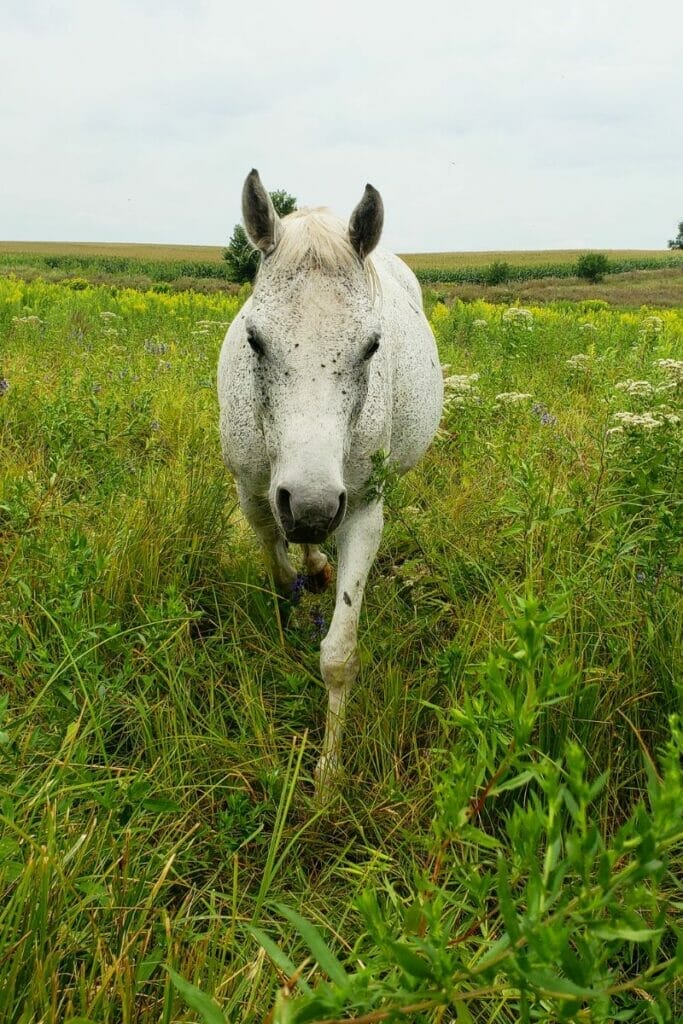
point(316, 239)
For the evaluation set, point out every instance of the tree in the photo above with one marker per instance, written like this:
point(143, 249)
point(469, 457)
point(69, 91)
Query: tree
point(592, 266)
point(677, 242)
point(240, 255)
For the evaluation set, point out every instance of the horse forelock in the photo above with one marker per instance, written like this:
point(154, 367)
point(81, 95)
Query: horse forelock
point(317, 239)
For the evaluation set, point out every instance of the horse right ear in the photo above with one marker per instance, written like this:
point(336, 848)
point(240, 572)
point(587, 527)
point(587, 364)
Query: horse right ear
point(367, 220)
point(260, 219)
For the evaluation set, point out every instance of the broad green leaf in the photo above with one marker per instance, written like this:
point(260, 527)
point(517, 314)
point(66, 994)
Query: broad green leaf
point(409, 961)
point(553, 984)
point(627, 934)
point(462, 1014)
point(514, 783)
point(317, 945)
point(197, 1000)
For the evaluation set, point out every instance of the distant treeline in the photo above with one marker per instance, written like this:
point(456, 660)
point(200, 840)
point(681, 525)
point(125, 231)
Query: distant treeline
point(173, 270)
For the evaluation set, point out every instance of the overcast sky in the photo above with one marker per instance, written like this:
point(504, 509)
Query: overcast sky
point(485, 125)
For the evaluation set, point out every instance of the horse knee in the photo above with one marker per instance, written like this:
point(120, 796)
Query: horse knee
point(339, 672)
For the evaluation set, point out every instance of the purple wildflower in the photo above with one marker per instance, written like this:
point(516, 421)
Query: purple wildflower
point(318, 620)
point(298, 587)
point(541, 410)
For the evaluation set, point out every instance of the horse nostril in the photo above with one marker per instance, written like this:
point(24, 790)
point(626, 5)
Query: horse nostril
point(283, 501)
point(341, 511)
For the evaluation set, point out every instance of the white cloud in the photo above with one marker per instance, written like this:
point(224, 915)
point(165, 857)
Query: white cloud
point(484, 126)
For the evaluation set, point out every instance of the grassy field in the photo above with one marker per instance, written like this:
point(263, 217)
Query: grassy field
point(506, 845)
point(634, 278)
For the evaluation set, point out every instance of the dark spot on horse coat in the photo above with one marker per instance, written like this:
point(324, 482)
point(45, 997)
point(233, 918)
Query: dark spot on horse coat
point(347, 599)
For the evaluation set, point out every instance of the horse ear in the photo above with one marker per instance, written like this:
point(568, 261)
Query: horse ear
point(260, 219)
point(365, 226)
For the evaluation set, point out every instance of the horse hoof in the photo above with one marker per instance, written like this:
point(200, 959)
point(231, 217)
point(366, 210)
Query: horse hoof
point(319, 581)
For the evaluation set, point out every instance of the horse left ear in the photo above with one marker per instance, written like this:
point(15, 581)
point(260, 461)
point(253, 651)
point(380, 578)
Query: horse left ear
point(365, 225)
point(260, 219)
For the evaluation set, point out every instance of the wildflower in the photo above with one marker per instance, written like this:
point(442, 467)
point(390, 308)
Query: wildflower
point(110, 331)
point(480, 325)
point(587, 328)
point(512, 397)
point(318, 620)
point(673, 368)
point(546, 418)
point(4, 386)
point(581, 361)
point(636, 388)
point(32, 321)
point(518, 317)
point(637, 420)
point(155, 425)
point(155, 348)
point(107, 314)
point(459, 389)
point(297, 589)
point(652, 325)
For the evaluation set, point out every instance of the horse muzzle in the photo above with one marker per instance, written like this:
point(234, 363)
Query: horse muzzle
point(309, 521)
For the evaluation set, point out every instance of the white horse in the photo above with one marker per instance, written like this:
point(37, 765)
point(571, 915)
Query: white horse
point(329, 362)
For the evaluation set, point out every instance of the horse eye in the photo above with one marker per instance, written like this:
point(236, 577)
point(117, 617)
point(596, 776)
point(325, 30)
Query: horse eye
point(255, 342)
point(372, 348)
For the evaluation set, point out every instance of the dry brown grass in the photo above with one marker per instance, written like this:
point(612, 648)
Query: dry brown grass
point(633, 289)
point(521, 258)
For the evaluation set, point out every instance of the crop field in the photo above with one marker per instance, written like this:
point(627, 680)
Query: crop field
point(507, 841)
point(188, 266)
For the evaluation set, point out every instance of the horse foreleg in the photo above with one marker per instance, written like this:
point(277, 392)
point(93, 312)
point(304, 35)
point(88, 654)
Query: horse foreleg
point(259, 516)
point(357, 541)
point(318, 569)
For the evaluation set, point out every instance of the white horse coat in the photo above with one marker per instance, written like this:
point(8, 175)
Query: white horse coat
point(328, 363)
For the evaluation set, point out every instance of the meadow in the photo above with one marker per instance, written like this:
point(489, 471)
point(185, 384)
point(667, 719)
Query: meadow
point(506, 843)
point(169, 267)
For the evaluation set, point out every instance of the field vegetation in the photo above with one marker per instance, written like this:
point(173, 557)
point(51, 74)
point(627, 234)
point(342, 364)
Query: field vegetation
point(506, 844)
point(630, 274)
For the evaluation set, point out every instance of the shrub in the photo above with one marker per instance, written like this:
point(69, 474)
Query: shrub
point(592, 266)
point(497, 272)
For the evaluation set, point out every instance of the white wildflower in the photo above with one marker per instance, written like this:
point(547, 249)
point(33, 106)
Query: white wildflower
point(480, 325)
point(638, 420)
point(673, 368)
point(33, 321)
point(512, 397)
point(587, 327)
point(518, 317)
point(581, 361)
point(636, 388)
point(652, 325)
point(107, 314)
point(459, 389)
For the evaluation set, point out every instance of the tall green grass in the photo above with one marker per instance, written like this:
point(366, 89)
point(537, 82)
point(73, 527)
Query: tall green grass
point(161, 717)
